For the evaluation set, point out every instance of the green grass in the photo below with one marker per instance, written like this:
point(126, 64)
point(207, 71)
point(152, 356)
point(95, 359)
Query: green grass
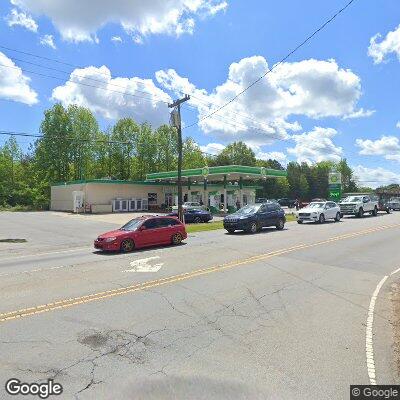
point(211, 226)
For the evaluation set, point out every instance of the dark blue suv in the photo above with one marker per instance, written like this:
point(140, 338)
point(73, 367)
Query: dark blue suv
point(254, 217)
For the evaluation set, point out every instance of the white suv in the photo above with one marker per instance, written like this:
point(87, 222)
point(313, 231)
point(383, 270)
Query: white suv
point(319, 211)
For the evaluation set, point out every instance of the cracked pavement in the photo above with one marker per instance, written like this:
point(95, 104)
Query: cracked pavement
point(288, 326)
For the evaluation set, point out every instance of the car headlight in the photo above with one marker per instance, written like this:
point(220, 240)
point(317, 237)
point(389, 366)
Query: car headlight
point(110, 239)
point(314, 213)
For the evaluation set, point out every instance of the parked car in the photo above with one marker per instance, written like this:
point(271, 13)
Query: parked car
point(254, 217)
point(394, 204)
point(190, 205)
point(285, 202)
point(359, 205)
point(383, 206)
point(319, 212)
point(260, 200)
point(303, 204)
point(195, 216)
point(142, 232)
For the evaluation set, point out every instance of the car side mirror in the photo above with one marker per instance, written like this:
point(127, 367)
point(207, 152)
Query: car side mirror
point(142, 228)
point(365, 200)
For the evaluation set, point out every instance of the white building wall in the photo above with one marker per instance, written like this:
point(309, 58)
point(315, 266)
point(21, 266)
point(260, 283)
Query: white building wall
point(62, 198)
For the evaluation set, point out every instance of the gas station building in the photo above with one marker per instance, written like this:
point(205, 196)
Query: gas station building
point(219, 188)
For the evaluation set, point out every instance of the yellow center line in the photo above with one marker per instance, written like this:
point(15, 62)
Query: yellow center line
point(60, 304)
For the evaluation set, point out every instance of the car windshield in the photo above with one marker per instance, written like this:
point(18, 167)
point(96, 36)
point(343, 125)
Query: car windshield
point(249, 209)
point(132, 225)
point(352, 199)
point(316, 205)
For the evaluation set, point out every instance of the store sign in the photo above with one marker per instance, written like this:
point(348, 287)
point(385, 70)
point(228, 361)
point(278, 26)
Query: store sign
point(335, 178)
point(205, 171)
point(263, 172)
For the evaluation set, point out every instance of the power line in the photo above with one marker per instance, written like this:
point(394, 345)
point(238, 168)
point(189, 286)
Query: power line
point(88, 78)
point(78, 83)
point(104, 74)
point(276, 65)
point(127, 94)
point(104, 141)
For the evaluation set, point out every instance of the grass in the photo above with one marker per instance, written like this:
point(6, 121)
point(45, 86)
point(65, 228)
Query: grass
point(211, 226)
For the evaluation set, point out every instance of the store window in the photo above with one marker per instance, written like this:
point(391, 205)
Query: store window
point(152, 197)
point(169, 199)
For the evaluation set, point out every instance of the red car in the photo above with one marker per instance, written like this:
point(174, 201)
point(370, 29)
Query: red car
point(143, 232)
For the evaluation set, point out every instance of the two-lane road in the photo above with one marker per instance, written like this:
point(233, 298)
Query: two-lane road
point(272, 315)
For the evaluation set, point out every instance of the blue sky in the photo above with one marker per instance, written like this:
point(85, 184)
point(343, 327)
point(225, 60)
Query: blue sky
point(338, 96)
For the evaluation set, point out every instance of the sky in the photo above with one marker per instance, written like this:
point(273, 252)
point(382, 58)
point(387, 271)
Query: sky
point(337, 97)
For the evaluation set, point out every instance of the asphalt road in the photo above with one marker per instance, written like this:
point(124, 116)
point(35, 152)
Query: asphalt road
point(275, 315)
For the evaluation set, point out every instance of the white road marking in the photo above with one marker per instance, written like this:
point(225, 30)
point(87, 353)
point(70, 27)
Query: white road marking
point(143, 265)
point(45, 254)
point(369, 346)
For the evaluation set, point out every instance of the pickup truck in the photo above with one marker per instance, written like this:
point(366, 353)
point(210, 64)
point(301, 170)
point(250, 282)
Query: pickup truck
point(358, 206)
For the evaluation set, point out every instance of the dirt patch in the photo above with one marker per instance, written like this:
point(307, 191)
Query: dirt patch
point(13, 240)
point(395, 298)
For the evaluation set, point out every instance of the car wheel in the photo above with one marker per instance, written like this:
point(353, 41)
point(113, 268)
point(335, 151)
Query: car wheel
point(299, 222)
point(197, 220)
point(280, 225)
point(338, 216)
point(231, 231)
point(375, 212)
point(388, 211)
point(360, 213)
point(321, 219)
point(177, 239)
point(127, 245)
point(253, 228)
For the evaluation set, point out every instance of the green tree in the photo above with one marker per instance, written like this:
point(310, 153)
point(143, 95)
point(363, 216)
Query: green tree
point(236, 153)
point(125, 136)
point(192, 155)
point(83, 133)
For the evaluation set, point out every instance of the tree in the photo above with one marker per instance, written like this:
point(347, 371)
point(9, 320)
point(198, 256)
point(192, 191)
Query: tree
point(167, 148)
point(236, 153)
point(52, 153)
point(125, 136)
point(192, 155)
point(348, 182)
point(83, 132)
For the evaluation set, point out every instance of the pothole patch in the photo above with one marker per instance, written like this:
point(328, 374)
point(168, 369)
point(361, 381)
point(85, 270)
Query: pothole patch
point(13, 240)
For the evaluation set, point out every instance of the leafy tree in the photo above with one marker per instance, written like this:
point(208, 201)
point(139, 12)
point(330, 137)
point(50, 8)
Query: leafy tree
point(236, 153)
point(192, 155)
point(124, 137)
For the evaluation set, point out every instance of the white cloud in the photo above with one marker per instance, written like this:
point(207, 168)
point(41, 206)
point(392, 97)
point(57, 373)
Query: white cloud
point(21, 19)
point(48, 40)
point(398, 125)
point(375, 177)
point(311, 88)
point(273, 155)
point(216, 148)
point(14, 85)
point(316, 146)
point(116, 39)
point(387, 146)
point(79, 20)
point(134, 97)
point(361, 113)
point(389, 44)
point(212, 148)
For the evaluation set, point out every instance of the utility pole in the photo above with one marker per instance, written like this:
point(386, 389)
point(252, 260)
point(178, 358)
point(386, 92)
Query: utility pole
point(176, 121)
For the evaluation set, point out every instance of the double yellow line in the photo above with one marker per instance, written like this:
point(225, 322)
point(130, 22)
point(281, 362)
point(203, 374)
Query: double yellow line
point(58, 305)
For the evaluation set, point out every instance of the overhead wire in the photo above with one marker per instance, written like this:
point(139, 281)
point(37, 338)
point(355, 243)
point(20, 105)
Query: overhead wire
point(305, 41)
